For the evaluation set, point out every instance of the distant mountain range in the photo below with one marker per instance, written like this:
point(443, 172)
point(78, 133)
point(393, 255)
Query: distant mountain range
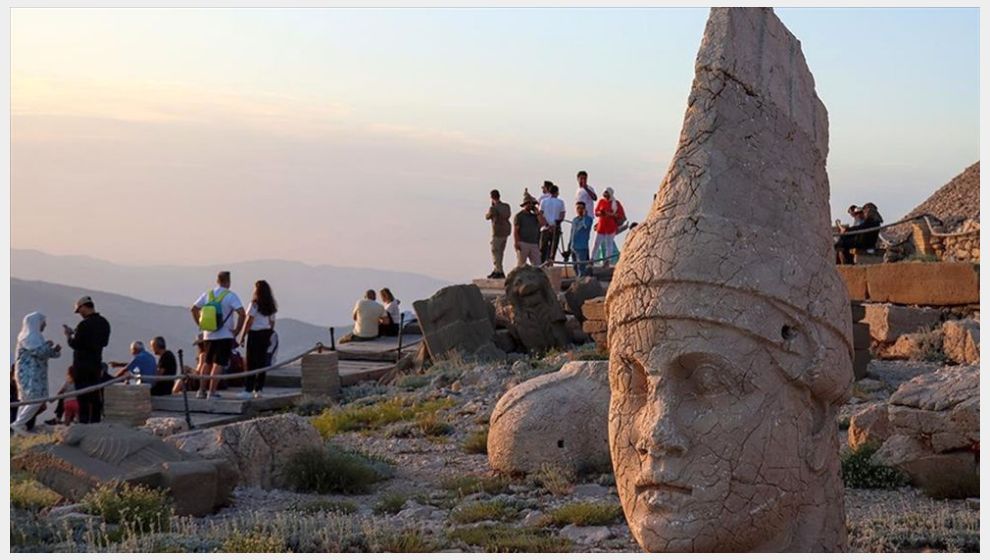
point(320, 295)
point(130, 319)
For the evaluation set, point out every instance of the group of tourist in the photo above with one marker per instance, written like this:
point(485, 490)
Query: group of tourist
point(536, 229)
point(865, 218)
point(372, 319)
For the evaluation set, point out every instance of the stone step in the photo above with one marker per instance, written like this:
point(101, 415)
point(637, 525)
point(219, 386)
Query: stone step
point(228, 403)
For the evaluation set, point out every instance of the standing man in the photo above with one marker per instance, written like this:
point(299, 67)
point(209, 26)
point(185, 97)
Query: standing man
point(167, 366)
point(526, 232)
point(499, 213)
point(552, 209)
point(581, 234)
point(585, 193)
point(215, 324)
point(87, 341)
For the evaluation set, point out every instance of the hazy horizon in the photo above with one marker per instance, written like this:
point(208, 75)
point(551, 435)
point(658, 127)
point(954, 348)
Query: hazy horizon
point(369, 138)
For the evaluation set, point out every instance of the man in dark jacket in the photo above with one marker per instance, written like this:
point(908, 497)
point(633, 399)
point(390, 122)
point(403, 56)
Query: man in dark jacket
point(87, 341)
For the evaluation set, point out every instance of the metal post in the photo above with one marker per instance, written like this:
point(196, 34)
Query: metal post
point(333, 341)
point(398, 351)
point(185, 391)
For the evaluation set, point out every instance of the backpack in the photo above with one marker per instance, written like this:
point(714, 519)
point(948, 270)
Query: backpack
point(210, 314)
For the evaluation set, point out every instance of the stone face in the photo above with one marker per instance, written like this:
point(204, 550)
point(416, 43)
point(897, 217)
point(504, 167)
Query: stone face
point(887, 322)
point(90, 454)
point(580, 291)
point(729, 328)
point(457, 319)
point(961, 341)
point(558, 419)
point(259, 448)
point(935, 425)
point(535, 318)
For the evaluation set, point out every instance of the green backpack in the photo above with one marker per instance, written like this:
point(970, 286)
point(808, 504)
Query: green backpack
point(209, 316)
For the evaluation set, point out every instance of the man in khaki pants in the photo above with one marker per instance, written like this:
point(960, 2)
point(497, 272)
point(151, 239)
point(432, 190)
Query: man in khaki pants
point(499, 214)
point(526, 232)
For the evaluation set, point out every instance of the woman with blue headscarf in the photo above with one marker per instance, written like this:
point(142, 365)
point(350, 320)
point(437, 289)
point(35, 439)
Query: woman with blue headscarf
point(31, 367)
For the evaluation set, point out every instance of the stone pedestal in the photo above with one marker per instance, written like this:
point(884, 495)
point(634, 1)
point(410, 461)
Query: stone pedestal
point(320, 375)
point(127, 405)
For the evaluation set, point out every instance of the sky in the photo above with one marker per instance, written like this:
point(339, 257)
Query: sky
point(371, 137)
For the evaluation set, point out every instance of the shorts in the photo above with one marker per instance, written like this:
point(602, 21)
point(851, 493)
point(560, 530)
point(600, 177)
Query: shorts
point(218, 351)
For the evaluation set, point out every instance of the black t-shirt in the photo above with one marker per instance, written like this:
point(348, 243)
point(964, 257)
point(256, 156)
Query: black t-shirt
point(167, 364)
point(91, 336)
point(529, 227)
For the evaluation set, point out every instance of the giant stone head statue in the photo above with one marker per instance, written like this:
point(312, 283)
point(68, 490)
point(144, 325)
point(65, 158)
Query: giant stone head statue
point(729, 328)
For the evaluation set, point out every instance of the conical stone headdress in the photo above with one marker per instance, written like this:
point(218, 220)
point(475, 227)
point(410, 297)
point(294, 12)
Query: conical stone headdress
point(739, 232)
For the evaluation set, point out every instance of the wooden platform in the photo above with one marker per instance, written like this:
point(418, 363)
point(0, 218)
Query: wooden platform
point(228, 403)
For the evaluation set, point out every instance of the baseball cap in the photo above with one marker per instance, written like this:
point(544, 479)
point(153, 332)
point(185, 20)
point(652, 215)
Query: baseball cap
point(85, 300)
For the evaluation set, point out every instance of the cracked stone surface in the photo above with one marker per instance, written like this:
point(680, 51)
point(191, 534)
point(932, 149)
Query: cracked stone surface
point(259, 448)
point(729, 328)
point(532, 312)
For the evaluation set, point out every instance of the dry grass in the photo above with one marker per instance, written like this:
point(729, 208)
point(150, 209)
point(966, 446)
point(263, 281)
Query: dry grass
point(557, 480)
point(476, 442)
point(505, 538)
point(493, 510)
point(920, 531)
point(27, 493)
point(584, 514)
point(371, 417)
point(470, 484)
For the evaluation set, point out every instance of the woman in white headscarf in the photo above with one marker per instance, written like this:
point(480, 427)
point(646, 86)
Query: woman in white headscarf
point(31, 367)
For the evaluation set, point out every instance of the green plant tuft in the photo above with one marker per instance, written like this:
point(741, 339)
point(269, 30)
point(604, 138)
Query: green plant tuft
point(390, 503)
point(557, 480)
point(470, 484)
point(476, 442)
point(583, 514)
point(373, 416)
point(29, 494)
point(331, 470)
point(134, 507)
point(859, 471)
point(331, 506)
point(505, 538)
point(253, 544)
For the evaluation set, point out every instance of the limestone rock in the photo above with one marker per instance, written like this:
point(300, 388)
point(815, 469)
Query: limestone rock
point(923, 283)
point(594, 309)
point(961, 341)
point(869, 427)
point(935, 425)
point(580, 291)
point(585, 535)
point(88, 455)
point(259, 448)
point(887, 322)
point(558, 419)
point(457, 319)
point(535, 318)
point(728, 323)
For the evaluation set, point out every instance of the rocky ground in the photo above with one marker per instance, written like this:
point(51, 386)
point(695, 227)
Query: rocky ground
point(434, 500)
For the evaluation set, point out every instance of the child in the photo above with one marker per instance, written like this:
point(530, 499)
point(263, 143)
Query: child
point(70, 406)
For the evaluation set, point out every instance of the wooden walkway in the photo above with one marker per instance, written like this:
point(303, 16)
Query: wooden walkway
point(358, 362)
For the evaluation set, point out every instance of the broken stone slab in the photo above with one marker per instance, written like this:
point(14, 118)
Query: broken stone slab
point(558, 419)
point(88, 455)
point(259, 448)
point(594, 309)
point(869, 427)
point(923, 283)
point(727, 320)
point(586, 535)
point(961, 341)
point(887, 322)
point(458, 320)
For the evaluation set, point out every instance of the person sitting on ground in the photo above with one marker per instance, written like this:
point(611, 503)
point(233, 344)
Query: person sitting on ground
point(366, 315)
point(581, 235)
point(388, 325)
point(142, 363)
point(67, 410)
point(256, 336)
point(31, 368)
point(213, 313)
point(849, 239)
point(200, 345)
point(526, 232)
point(167, 367)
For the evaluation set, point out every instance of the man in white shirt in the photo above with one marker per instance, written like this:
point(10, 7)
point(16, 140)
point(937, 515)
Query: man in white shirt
point(366, 314)
point(219, 342)
point(553, 211)
point(585, 193)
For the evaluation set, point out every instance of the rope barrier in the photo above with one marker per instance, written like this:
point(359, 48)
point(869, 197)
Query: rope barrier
point(319, 347)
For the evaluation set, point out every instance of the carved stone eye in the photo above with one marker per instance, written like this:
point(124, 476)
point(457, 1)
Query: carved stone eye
point(707, 378)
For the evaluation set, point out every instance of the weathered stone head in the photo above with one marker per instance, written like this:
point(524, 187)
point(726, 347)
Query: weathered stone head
point(729, 329)
point(534, 315)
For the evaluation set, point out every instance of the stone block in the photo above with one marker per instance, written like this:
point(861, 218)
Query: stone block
point(861, 335)
point(854, 277)
point(594, 309)
point(320, 375)
point(869, 427)
point(861, 362)
point(923, 283)
point(888, 322)
point(128, 405)
point(457, 319)
point(961, 341)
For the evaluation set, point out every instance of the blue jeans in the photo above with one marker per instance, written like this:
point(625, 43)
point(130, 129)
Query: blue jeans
point(581, 255)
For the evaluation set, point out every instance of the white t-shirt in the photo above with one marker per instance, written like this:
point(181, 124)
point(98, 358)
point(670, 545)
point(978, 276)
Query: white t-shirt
point(551, 208)
point(261, 322)
point(230, 304)
point(368, 312)
point(583, 196)
point(393, 309)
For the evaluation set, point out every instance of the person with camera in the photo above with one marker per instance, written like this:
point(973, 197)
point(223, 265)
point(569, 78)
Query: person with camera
point(499, 214)
point(87, 341)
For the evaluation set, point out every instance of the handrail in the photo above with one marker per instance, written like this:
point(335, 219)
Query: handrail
point(318, 347)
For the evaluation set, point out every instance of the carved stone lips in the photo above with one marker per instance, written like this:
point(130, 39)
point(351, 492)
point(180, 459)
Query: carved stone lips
point(663, 487)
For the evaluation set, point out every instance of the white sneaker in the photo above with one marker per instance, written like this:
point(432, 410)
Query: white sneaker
point(257, 394)
point(20, 431)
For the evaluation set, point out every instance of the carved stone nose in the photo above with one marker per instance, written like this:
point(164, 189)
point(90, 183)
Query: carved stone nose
point(667, 439)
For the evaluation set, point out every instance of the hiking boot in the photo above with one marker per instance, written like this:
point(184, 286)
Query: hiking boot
point(497, 276)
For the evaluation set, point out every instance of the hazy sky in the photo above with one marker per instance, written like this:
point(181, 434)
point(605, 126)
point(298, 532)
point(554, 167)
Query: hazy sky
point(371, 137)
